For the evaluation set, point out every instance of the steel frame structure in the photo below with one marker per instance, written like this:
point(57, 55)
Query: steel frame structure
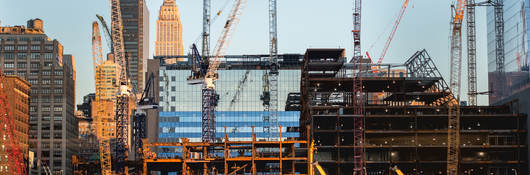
point(472, 50)
point(358, 97)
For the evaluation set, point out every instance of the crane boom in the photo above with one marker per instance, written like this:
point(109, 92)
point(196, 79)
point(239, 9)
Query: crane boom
point(102, 114)
point(394, 29)
point(274, 72)
point(106, 29)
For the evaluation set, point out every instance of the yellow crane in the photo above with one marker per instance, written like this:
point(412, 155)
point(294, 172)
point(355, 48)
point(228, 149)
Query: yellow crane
point(397, 170)
point(103, 109)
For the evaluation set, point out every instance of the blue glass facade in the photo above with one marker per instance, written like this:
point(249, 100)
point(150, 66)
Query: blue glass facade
point(516, 30)
point(187, 124)
point(240, 106)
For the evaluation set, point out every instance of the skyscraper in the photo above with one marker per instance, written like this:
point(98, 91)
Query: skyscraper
point(168, 30)
point(135, 21)
point(30, 54)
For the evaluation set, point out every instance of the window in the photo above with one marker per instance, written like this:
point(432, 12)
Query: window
point(173, 88)
point(173, 78)
point(35, 65)
point(58, 91)
point(58, 82)
point(38, 39)
point(9, 65)
point(48, 56)
point(9, 47)
point(48, 64)
point(173, 98)
point(49, 47)
point(161, 98)
point(21, 74)
point(35, 47)
point(9, 56)
point(9, 72)
point(46, 109)
point(45, 91)
point(161, 89)
point(58, 109)
point(58, 72)
point(21, 65)
point(32, 109)
point(34, 73)
point(22, 55)
point(46, 72)
point(20, 48)
point(35, 56)
point(172, 108)
point(45, 81)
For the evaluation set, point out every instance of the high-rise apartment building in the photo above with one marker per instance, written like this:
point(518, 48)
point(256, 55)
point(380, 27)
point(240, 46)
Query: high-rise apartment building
point(17, 91)
point(135, 21)
point(30, 54)
point(168, 30)
point(87, 131)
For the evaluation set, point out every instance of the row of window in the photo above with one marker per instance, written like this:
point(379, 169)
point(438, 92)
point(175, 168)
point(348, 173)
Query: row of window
point(35, 56)
point(23, 65)
point(39, 38)
point(25, 47)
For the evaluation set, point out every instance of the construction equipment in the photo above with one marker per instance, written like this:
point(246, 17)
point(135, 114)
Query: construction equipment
point(393, 32)
point(357, 55)
point(146, 102)
point(273, 128)
point(471, 45)
point(209, 97)
point(106, 29)
point(357, 94)
point(126, 96)
point(16, 163)
point(397, 170)
point(103, 112)
point(319, 168)
point(454, 106)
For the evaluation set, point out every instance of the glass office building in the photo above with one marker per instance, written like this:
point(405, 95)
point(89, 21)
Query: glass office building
point(516, 75)
point(240, 108)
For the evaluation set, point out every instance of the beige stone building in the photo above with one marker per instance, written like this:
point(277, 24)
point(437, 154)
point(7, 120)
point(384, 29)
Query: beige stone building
point(17, 91)
point(168, 30)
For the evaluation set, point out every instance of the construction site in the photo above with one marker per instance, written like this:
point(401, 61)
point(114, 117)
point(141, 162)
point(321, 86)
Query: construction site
point(356, 116)
point(317, 112)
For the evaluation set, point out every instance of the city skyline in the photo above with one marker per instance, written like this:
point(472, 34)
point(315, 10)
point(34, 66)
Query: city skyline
point(252, 34)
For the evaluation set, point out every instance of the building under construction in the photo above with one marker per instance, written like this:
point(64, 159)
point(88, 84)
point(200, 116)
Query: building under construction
point(405, 120)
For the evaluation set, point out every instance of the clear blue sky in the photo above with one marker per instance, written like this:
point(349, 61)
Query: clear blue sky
point(302, 24)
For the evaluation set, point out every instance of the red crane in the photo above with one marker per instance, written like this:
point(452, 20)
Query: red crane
point(16, 163)
point(394, 29)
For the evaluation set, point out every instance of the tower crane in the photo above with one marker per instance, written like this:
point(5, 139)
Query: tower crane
point(471, 46)
point(357, 94)
point(273, 128)
point(104, 110)
point(453, 135)
point(393, 32)
point(209, 96)
point(16, 163)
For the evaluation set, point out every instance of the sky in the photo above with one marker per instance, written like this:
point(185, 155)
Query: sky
point(302, 24)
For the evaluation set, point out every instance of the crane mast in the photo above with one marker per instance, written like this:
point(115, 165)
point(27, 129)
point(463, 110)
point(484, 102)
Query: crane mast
point(471, 47)
point(273, 71)
point(104, 109)
point(357, 94)
point(453, 135)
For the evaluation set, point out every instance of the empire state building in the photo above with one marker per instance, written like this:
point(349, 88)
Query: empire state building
point(168, 30)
